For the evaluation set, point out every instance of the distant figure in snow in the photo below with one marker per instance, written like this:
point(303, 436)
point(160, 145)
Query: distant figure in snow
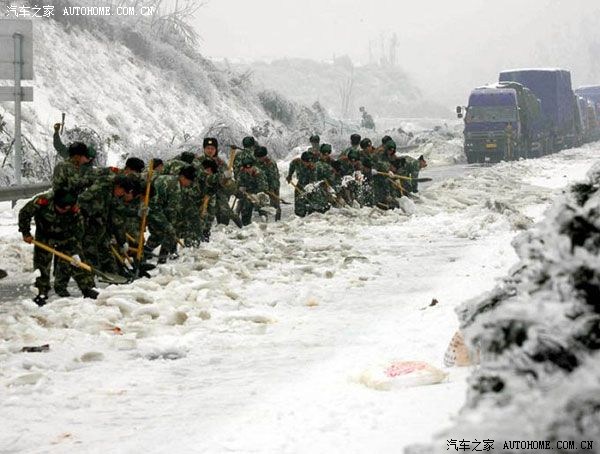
point(3, 274)
point(367, 120)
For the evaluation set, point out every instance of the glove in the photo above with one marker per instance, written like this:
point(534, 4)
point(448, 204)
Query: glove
point(228, 174)
point(124, 248)
point(390, 173)
point(374, 171)
point(75, 260)
point(143, 210)
point(242, 188)
point(56, 127)
point(28, 238)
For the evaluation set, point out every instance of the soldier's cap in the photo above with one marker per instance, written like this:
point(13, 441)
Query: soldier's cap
point(390, 145)
point(79, 149)
point(187, 157)
point(157, 162)
point(422, 158)
point(365, 143)
point(260, 152)
point(353, 155)
point(355, 139)
point(64, 198)
point(189, 172)
point(385, 139)
point(210, 142)
point(325, 148)
point(248, 142)
point(210, 164)
point(307, 156)
point(247, 161)
point(135, 164)
point(314, 139)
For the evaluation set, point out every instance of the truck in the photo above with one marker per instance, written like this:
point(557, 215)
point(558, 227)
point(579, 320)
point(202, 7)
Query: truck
point(502, 122)
point(591, 94)
point(553, 88)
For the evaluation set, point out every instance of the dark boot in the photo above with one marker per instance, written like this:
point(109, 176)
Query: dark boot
point(90, 293)
point(62, 292)
point(41, 299)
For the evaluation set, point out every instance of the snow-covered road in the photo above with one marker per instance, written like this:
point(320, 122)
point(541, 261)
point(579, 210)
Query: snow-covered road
point(257, 342)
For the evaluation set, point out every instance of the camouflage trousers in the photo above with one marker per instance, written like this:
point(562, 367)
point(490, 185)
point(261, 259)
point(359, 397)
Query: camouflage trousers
point(163, 234)
point(309, 202)
point(63, 271)
point(96, 248)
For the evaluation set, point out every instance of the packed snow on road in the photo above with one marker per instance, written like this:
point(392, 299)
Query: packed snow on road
point(280, 337)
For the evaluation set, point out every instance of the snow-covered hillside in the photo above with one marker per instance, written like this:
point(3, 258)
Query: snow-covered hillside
point(257, 342)
point(125, 96)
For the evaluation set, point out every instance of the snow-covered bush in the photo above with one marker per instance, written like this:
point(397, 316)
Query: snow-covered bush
point(539, 334)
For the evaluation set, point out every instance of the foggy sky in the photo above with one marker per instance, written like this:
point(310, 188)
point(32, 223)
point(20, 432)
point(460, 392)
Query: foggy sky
point(448, 47)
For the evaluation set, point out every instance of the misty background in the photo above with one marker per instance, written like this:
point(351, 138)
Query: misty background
point(424, 55)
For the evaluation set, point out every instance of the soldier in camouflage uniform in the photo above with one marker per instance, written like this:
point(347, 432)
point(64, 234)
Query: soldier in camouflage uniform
point(251, 181)
point(269, 169)
point(314, 140)
point(72, 174)
point(63, 150)
point(410, 167)
point(173, 166)
point(308, 196)
point(325, 151)
point(164, 211)
point(328, 177)
point(354, 144)
point(225, 187)
point(104, 209)
point(58, 223)
point(385, 192)
point(249, 144)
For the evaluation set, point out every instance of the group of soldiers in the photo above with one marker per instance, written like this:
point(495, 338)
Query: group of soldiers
point(93, 221)
point(362, 175)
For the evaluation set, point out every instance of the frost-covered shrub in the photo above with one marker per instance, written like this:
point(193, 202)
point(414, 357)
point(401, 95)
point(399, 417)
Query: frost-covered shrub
point(539, 334)
point(277, 107)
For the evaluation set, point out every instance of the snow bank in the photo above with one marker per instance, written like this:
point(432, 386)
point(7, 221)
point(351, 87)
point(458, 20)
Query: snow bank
point(539, 334)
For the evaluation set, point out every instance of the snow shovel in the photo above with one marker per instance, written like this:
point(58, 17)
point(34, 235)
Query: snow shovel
point(106, 277)
point(401, 177)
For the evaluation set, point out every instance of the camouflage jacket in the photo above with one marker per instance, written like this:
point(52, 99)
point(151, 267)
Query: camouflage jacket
point(253, 180)
point(167, 198)
point(239, 157)
point(307, 173)
point(173, 166)
point(269, 169)
point(67, 175)
point(49, 224)
point(100, 206)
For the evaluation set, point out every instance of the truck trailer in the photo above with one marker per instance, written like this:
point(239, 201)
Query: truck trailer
point(554, 90)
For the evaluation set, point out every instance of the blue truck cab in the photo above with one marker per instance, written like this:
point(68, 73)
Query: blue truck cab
point(492, 124)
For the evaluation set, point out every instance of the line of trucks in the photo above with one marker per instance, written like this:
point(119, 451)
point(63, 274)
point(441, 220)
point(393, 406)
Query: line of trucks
point(529, 113)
